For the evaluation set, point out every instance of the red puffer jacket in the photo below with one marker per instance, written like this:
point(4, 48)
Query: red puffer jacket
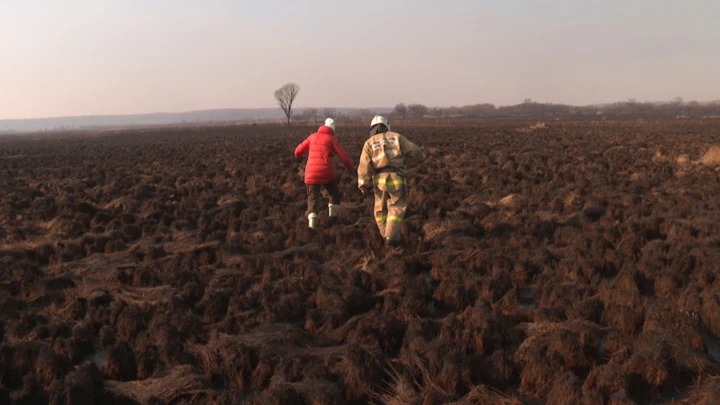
point(322, 144)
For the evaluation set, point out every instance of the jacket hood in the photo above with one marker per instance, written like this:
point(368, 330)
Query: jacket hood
point(326, 130)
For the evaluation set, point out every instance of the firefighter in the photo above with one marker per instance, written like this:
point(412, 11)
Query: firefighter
point(382, 168)
point(319, 171)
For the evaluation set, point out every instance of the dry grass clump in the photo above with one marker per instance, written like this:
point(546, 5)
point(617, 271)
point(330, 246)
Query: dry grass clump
point(482, 394)
point(684, 159)
point(539, 125)
point(703, 394)
point(433, 228)
point(514, 201)
point(399, 391)
point(178, 382)
point(711, 156)
point(365, 262)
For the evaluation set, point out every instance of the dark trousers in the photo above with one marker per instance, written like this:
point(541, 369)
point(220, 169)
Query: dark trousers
point(313, 195)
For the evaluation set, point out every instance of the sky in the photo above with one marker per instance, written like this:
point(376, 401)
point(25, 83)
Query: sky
point(92, 57)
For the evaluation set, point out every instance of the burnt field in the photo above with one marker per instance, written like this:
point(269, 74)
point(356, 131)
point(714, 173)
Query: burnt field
point(565, 263)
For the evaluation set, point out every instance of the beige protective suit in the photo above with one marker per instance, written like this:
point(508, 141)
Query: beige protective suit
point(382, 167)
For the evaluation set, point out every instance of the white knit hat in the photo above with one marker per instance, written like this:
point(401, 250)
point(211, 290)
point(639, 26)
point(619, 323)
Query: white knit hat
point(330, 123)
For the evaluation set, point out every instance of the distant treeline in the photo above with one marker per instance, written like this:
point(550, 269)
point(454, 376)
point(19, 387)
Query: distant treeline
point(529, 108)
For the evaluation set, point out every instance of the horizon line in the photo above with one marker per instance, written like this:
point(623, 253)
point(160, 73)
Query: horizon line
point(335, 108)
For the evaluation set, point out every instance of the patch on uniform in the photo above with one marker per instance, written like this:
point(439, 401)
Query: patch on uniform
point(382, 142)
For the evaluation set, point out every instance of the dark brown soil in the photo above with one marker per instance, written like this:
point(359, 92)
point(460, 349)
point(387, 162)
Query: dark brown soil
point(571, 263)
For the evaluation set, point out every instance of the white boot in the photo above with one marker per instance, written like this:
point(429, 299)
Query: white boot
point(333, 209)
point(312, 217)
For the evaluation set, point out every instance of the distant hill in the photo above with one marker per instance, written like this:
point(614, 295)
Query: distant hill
point(120, 121)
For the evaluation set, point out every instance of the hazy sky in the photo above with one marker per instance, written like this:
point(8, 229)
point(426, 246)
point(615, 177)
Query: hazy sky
point(82, 57)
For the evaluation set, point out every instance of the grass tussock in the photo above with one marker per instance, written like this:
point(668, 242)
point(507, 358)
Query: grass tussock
point(711, 157)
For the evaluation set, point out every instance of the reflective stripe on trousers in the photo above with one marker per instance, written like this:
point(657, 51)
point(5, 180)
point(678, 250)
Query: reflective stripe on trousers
point(389, 182)
point(390, 204)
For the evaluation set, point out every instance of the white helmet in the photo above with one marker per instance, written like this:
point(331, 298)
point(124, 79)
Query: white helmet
point(330, 123)
point(379, 119)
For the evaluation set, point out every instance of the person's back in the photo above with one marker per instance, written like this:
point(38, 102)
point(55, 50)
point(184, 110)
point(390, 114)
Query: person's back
point(386, 151)
point(319, 170)
point(382, 167)
point(321, 145)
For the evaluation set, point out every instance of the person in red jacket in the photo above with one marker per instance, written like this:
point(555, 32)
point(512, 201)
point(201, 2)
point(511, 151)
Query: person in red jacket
point(319, 171)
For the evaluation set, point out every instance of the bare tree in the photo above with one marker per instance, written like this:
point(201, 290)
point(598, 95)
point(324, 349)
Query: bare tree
point(364, 112)
point(313, 114)
point(308, 114)
point(401, 110)
point(328, 112)
point(416, 110)
point(301, 115)
point(285, 96)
